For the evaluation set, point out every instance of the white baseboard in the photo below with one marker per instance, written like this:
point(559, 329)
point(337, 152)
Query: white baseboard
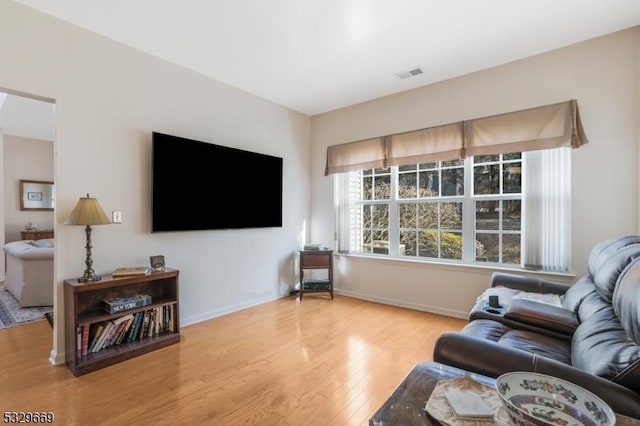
point(226, 310)
point(404, 304)
point(57, 358)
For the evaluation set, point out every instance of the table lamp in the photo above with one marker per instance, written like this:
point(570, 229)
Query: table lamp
point(88, 212)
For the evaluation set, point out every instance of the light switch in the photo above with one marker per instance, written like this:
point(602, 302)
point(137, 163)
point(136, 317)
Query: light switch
point(116, 216)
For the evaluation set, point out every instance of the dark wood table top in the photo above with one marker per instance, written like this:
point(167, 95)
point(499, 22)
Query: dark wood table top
point(406, 405)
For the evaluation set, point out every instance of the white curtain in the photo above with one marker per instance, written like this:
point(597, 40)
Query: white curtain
point(547, 210)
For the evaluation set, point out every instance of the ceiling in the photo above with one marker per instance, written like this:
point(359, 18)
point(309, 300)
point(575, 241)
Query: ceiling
point(318, 55)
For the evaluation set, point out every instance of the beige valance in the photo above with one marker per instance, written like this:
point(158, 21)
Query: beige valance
point(545, 127)
point(359, 155)
point(426, 145)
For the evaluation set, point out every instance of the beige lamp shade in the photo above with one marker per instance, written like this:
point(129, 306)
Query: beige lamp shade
point(87, 212)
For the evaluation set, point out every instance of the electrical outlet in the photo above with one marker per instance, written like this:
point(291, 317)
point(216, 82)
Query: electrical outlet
point(116, 216)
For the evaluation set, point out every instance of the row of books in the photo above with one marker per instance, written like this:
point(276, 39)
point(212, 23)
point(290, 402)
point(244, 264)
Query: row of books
point(95, 337)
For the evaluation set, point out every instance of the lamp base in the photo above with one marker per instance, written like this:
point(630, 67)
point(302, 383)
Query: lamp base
point(89, 276)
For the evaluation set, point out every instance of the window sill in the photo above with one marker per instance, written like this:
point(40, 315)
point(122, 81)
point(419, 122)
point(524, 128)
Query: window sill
point(564, 277)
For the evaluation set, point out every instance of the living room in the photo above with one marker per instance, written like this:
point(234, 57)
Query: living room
point(109, 99)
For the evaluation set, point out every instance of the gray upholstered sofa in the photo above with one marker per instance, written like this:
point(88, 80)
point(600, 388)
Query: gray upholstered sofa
point(29, 272)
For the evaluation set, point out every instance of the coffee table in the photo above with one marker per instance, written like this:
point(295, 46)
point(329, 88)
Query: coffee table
point(406, 405)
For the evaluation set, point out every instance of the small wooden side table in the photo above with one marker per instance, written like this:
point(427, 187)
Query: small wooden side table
point(316, 259)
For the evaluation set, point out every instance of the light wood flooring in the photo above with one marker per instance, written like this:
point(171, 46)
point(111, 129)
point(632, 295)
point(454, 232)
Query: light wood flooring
point(315, 362)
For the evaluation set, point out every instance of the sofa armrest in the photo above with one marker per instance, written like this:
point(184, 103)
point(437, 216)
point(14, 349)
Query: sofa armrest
point(542, 315)
point(492, 359)
point(525, 283)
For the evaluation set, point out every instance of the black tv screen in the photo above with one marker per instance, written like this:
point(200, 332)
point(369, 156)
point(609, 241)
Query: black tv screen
point(198, 185)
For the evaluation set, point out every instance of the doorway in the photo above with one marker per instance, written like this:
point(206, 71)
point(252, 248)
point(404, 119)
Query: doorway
point(27, 129)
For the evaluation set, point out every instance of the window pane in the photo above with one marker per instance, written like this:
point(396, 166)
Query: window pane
point(366, 241)
point(381, 242)
point(366, 216)
point(367, 172)
point(380, 216)
point(428, 244)
point(486, 179)
point(407, 185)
point(382, 187)
point(451, 216)
point(407, 168)
point(423, 166)
point(487, 247)
point(452, 181)
point(511, 215)
point(367, 188)
point(512, 178)
point(487, 215)
point(451, 245)
point(407, 215)
point(452, 163)
point(512, 156)
point(478, 159)
point(408, 243)
point(428, 216)
point(511, 248)
point(429, 184)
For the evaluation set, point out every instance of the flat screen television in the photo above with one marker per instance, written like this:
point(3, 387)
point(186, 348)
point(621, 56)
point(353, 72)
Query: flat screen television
point(198, 185)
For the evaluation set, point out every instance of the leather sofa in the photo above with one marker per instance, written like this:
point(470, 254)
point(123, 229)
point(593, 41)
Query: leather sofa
point(29, 274)
point(592, 340)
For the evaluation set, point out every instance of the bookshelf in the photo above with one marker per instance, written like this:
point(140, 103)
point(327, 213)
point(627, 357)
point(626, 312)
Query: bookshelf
point(84, 310)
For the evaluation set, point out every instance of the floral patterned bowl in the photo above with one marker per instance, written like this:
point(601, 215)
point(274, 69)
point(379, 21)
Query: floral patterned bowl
point(533, 399)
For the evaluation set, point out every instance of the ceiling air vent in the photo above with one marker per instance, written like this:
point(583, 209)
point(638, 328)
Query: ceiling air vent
point(409, 73)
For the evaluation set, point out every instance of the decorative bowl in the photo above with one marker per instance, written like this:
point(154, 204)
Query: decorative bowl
point(533, 399)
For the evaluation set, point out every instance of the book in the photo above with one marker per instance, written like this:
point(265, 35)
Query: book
point(131, 271)
point(125, 331)
point(84, 340)
point(96, 330)
point(103, 335)
point(468, 405)
point(135, 327)
point(119, 323)
point(118, 304)
point(315, 247)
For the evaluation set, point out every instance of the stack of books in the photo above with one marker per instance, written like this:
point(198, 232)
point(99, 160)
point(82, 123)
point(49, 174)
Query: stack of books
point(312, 247)
point(118, 304)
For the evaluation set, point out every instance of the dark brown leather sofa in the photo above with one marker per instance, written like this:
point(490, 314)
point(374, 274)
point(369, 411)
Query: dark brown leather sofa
point(593, 340)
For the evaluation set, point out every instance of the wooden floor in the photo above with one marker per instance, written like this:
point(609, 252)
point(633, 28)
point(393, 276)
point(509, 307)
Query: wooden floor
point(319, 362)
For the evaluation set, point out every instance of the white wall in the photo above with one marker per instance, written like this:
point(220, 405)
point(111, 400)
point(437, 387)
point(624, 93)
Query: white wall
point(601, 73)
point(109, 98)
point(30, 159)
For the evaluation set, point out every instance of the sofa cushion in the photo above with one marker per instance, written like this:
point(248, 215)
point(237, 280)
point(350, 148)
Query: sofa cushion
point(626, 300)
point(539, 344)
point(574, 296)
point(601, 346)
point(600, 253)
point(25, 250)
point(606, 276)
point(45, 243)
point(529, 341)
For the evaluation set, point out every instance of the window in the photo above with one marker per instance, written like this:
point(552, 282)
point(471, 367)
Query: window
point(465, 211)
